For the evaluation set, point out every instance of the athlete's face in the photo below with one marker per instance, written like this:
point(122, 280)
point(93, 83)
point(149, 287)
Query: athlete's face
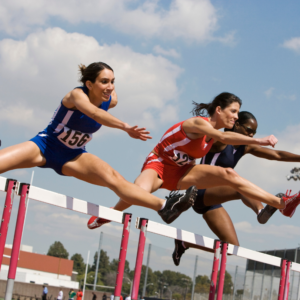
point(249, 128)
point(229, 114)
point(103, 85)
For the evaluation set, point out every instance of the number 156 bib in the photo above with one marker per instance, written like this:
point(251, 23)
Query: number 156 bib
point(74, 139)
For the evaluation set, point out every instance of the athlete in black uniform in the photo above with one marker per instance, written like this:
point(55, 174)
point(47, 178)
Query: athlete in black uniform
point(208, 201)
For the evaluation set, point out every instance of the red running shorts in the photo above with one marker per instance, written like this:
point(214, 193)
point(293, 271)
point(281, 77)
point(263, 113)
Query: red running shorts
point(170, 174)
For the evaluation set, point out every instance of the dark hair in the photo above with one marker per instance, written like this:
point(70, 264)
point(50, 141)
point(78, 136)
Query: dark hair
point(92, 71)
point(244, 116)
point(223, 100)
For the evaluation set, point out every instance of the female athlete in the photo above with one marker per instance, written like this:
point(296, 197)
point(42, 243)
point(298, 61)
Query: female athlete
point(61, 146)
point(171, 164)
point(208, 202)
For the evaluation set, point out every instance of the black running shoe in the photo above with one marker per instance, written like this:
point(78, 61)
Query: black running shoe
point(178, 252)
point(267, 212)
point(177, 203)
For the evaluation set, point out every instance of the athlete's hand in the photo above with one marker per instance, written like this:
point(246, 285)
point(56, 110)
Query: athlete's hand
point(270, 140)
point(137, 133)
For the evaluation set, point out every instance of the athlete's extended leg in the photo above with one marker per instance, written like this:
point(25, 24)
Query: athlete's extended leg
point(147, 180)
point(206, 176)
point(220, 223)
point(90, 168)
point(212, 197)
point(24, 155)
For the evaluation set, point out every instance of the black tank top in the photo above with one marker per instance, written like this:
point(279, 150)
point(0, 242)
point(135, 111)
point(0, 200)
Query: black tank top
point(227, 158)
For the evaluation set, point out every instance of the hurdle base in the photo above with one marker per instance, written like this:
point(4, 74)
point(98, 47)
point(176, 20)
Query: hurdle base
point(9, 289)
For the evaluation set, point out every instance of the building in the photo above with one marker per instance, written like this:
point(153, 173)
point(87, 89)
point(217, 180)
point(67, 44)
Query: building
point(40, 269)
point(262, 280)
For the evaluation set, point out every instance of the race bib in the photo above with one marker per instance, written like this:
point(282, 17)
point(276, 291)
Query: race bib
point(181, 158)
point(74, 139)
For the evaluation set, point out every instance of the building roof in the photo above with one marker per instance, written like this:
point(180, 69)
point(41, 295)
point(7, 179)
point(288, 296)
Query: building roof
point(40, 262)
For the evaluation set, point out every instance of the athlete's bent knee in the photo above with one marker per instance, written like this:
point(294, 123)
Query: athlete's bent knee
point(114, 179)
point(230, 174)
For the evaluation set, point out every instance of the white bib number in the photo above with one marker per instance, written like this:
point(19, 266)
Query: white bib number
point(181, 158)
point(74, 139)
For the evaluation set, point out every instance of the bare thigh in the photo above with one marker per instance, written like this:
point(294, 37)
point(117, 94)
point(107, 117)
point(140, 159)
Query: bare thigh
point(92, 169)
point(204, 176)
point(221, 225)
point(222, 194)
point(149, 180)
point(219, 195)
point(24, 155)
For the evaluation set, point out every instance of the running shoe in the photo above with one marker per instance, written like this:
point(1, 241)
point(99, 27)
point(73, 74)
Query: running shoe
point(267, 212)
point(178, 252)
point(291, 203)
point(95, 222)
point(177, 203)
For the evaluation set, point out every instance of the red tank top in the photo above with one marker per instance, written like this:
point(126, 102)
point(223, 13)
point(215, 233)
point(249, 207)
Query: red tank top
point(180, 150)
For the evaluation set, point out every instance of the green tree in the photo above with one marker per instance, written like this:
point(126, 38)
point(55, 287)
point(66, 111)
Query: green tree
point(79, 265)
point(202, 284)
point(152, 284)
point(115, 263)
point(58, 250)
point(228, 284)
point(104, 265)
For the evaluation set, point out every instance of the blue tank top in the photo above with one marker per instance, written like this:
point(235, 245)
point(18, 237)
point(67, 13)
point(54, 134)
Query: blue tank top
point(72, 127)
point(227, 158)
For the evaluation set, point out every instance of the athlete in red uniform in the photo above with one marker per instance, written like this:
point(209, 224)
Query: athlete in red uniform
point(171, 164)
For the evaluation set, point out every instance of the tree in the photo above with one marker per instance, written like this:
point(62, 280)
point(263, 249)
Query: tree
point(79, 265)
point(202, 284)
point(228, 284)
point(58, 250)
point(104, 266)
point(115, 263)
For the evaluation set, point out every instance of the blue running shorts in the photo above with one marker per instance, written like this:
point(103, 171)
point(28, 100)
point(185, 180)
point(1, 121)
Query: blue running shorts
point(56, 153)
point(199, 206)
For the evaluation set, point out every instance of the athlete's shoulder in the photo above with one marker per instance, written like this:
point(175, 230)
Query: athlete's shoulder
point(198, 120)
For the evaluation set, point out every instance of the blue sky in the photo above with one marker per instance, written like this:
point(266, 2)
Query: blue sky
point(165, 54)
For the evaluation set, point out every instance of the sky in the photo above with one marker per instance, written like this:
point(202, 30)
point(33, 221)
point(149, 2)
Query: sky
point(165, 54)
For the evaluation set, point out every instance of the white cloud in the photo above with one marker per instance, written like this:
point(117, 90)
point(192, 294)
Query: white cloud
point(284, 230)
point(192, 20)
point(293, 44)
point(44, 69)
point(269, 174)
point(269, 92)
point(172, 52)
point(284, 97)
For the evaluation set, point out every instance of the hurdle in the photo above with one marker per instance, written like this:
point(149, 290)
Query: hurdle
point(215, 246)
point(25, 191)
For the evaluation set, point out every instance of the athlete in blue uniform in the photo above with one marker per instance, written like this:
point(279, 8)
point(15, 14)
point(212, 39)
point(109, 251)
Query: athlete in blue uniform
point(208, 201)
point(61, 146)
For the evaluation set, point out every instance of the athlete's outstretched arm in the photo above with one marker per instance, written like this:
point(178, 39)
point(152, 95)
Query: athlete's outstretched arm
point(81, 101)
point(271, 154)
point(202, 127)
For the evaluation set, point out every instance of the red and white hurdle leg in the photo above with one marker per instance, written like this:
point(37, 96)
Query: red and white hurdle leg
point(10, 192)
point(23, 192)
point(122, 256)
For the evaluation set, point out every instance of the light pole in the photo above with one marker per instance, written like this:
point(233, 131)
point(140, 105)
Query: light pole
point(130, 285)
point(163, 285)
point(145, 289)
point(187, 283)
